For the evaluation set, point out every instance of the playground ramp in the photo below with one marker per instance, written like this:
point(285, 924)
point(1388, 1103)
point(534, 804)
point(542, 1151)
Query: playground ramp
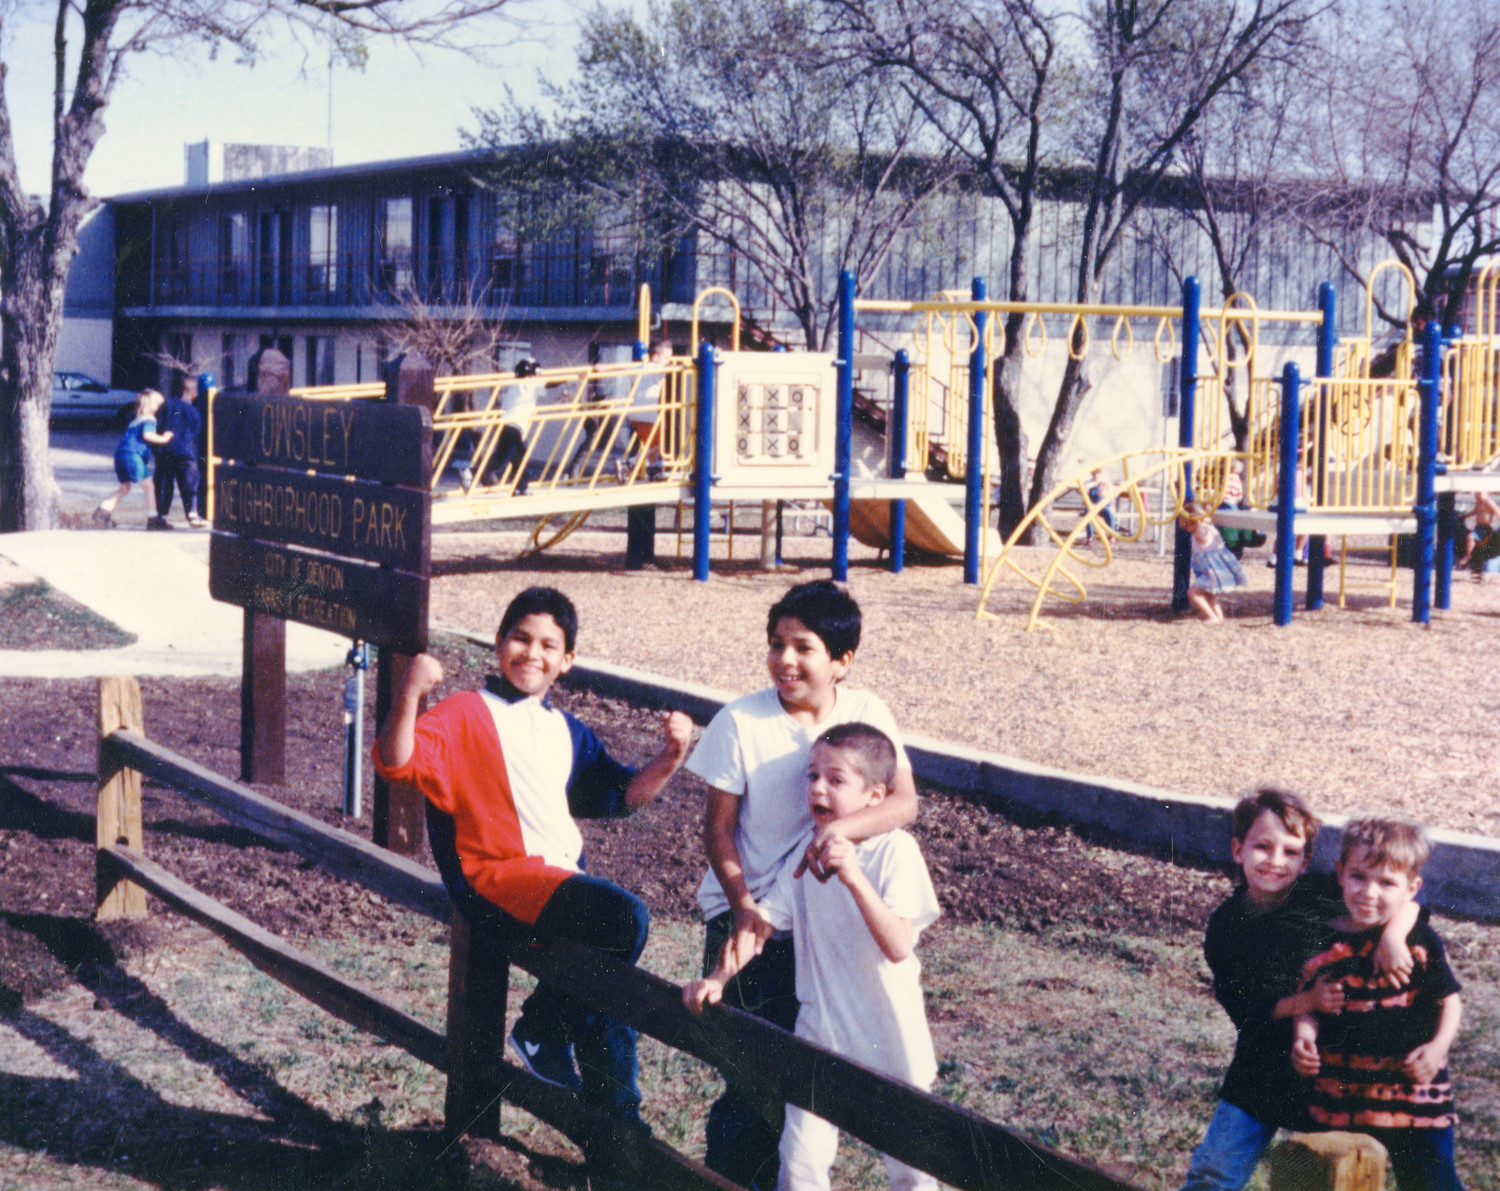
point(933, 526)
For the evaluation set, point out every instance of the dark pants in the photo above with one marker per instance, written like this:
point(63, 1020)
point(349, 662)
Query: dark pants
point(743, 1130)
point(508, 450)
point(181, 471)
point(601, 915)
point(1421, 1159)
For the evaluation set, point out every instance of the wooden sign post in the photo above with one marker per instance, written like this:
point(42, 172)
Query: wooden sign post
point(322, 515)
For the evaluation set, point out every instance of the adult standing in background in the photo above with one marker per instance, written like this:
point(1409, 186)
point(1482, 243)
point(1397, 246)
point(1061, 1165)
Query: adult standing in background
point(177, 460)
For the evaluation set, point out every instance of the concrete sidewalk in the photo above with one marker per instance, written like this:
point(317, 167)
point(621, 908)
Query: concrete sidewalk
point(154, 585)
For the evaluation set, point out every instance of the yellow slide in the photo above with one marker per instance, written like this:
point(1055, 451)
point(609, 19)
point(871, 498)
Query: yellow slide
point(933, 526)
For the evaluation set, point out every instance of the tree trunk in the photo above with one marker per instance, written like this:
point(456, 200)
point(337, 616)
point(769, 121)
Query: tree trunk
point(30, 319)
point(1010, 440)
point(1071, 394)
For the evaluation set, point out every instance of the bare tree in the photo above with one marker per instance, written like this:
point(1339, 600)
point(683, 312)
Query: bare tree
point(93, 42)
point(454, 339)
point(1422, 147)
point(738, 125)
point(1239, 194)
point(981, 73)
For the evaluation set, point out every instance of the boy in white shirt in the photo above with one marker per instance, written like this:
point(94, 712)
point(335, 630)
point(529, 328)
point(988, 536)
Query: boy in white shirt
point(858, 978)
point(754, 754)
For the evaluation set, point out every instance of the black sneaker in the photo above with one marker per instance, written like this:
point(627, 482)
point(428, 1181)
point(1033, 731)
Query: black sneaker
point(551, 1062)
point(158, 523)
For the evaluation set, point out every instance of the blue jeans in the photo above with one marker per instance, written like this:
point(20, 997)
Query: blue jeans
point(1228, 1154)
point(743, 1130)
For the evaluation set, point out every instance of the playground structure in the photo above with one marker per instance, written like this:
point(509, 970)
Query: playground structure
point(817, 430)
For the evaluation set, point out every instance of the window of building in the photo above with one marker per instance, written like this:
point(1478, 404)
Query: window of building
point(233, 360)
point(234, 257)
point(395, 245)
point(322, 251)
point(505, 262)
point(177, 264)
point(274, 258)
point(320, 360)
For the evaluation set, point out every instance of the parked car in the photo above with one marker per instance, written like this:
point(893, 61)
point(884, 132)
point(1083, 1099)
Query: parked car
point(78, 395)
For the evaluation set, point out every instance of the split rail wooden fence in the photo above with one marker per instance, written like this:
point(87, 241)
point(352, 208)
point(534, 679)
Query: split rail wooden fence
point(960, 1147)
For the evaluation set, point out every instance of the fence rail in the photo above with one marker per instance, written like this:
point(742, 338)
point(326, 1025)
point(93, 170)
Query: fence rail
point(964, 1149)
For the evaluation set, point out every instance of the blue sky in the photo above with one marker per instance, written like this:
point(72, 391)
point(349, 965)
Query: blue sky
point(403, 104)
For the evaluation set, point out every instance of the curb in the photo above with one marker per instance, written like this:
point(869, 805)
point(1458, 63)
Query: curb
point(1461, 878)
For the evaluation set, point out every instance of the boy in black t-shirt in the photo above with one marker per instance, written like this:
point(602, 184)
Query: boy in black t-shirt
point(1255, 944)
point(1381, 1066)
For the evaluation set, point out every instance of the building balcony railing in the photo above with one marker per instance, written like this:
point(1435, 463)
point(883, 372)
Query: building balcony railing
point(544, 276)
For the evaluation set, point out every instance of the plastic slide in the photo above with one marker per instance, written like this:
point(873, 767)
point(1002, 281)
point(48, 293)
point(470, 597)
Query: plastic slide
point(932, 526)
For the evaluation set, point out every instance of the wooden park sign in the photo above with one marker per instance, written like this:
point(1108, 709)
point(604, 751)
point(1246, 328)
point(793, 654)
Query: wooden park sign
point(322, 514)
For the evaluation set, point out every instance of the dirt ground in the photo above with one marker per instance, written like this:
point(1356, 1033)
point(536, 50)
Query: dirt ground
point(1358, 706)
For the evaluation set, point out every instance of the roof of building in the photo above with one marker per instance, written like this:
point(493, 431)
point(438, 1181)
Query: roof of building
point(365, 169)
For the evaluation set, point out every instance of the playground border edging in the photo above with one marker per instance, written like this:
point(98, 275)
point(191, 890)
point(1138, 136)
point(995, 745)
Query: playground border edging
point(1462, 877)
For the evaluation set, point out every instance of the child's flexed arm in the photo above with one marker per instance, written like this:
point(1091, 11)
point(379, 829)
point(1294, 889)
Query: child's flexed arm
point(1424, 1063)
point(397, 739)
point(893, 934)
point(677, 736)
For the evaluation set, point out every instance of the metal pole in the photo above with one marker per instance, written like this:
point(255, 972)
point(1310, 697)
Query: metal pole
point(358, 662)
point(1327, 341)
point(974, 469)
point(1286, 494)
point(843, 442)
point(899, 399)
point(1182, 542)
point(1430, 389)
point(703, 462)
point(640, 520)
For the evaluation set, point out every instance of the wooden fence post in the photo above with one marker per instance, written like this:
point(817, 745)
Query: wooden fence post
point(118, 819)
point(478, 985)
point(1328, 1162)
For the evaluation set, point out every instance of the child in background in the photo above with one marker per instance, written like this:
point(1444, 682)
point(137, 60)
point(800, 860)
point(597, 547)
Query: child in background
point(858, 978)
point(509, 772)
point(1215, 569)
point(754, 756)
point(133, 454)
point(1254, 946)
point(1381, 1066)
point(1099, 490)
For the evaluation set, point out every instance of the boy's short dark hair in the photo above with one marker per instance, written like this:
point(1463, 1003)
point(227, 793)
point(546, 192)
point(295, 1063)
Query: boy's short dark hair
point(871, 749)
point(545, 600)
point(1399, 843)
point(1295, 815)
point(826, 610)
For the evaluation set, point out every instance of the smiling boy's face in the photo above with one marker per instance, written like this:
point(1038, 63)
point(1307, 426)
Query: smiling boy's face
point(801, 667)
point(1272, 857)
point(534, 654)
point(1374, 890)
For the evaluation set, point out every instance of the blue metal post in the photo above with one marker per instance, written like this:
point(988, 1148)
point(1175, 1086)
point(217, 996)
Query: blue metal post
point(898, 457)
point(703, 451)
point(974, 471)
point(1286, 494)
point(1182, 541)
point(843, 439)
point(1427, 443)
point(1327, 341)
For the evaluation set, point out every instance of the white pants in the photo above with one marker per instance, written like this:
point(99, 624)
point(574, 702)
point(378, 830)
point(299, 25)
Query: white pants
point(808, 1147)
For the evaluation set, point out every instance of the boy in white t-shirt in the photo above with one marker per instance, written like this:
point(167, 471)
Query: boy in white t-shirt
point(754, 754)
point(858, 978)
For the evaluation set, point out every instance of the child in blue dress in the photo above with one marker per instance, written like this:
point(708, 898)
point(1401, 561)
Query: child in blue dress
point(133, 454)
point(1215, 569)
